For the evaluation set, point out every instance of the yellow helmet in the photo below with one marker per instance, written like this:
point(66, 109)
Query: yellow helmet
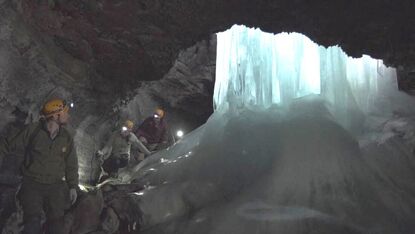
point(54, 106)
point(159, 112)
point(129, 124)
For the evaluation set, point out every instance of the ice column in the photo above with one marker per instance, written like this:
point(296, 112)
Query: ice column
point(261, 68)
point(257, 68)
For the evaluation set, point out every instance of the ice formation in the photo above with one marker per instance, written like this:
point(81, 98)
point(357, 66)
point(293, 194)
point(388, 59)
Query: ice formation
point(261, 69)
point(274, 158)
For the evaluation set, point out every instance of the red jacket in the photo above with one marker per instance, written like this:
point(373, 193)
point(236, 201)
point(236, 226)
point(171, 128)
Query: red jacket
point(153, 132)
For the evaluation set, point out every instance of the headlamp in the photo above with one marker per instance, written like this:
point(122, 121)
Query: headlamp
point(156, 116)
point(69, 104)
point(179, 133)
point(124, 128)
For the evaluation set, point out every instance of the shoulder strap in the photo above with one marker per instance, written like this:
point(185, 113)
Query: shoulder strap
point(28, 159)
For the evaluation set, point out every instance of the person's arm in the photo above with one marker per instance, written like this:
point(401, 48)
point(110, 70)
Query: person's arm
point(107, 149)
point(16, 143)
point(71, 169)
point(136, 142)
point(164, 135)
point(143, 128)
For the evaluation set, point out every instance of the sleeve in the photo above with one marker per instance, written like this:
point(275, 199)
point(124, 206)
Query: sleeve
point(136, 142)
point(14, 144)
point(164, 134)
point(71, 169)
point(107, 149)
point(143, 128)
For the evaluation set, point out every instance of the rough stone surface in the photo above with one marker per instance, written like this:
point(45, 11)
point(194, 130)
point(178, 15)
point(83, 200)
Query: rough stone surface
point(85, 217)
point(110, 222)
point(185, 92)
point(139, 40)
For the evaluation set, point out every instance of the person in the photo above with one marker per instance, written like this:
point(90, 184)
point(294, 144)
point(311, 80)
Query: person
point(153, 131)
point(116, 152)
point(49, 167)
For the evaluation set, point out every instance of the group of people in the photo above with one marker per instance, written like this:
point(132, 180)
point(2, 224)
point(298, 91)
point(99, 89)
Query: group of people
point(150, 136)
point(50, 165)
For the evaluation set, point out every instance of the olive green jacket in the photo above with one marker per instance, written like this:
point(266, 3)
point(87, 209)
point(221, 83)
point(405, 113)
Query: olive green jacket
point(50, 161)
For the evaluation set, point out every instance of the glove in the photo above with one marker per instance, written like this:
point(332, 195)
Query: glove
point(143, 140)
point(99, 153)
point(73, 195)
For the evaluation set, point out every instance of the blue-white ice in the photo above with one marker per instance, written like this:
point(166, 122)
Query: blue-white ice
point(260, 69)
point(274, 158)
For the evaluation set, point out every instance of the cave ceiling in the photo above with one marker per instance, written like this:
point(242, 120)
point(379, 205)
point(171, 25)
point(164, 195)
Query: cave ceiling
point(132, 40)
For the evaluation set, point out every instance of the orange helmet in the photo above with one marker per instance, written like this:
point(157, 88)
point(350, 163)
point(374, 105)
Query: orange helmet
point(129, 124)
point(159, 112)
point(54, 106)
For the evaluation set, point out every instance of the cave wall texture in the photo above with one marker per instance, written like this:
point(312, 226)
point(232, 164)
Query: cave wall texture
point(138, 40)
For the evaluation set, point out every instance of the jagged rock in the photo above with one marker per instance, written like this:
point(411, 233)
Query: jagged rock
point(126, 206)
point(7, 204)
point(99, 232)
point(110, 222)
point(141, 39)
point(85, 217)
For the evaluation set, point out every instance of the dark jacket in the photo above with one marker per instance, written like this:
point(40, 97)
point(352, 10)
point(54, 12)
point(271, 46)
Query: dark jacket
point(50, 161)
point(153, 132)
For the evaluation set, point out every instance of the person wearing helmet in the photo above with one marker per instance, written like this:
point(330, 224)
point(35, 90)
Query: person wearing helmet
point(153, 131)
point(116, 152)
point(49, 167)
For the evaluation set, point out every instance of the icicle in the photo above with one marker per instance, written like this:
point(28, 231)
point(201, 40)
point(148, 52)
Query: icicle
point(260, 69)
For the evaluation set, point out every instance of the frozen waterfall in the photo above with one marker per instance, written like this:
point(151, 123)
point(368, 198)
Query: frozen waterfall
point(260, 69)
point(272, 158)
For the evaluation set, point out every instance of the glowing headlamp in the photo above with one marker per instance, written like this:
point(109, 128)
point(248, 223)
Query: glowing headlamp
point(180, 133)
point(156, 116)
point(69, 104)
point(124, 128)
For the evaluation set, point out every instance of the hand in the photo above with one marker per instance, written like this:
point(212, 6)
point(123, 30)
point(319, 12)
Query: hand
point(99, 154)
point(73, 195)
point(143, 139)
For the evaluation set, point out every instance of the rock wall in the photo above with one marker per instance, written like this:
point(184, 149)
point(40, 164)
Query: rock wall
point(139, 40)
point(33, 68)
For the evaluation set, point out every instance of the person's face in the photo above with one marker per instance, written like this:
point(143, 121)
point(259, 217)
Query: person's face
point(64, 117)
point(157, 118)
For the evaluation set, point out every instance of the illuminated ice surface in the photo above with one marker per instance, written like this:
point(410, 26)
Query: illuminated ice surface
point(274, 157)
point(257, 68)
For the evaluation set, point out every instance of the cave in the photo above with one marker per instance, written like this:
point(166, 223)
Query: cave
point(238, 168)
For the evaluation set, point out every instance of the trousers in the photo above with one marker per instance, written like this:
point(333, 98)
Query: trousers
point(36, 198)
